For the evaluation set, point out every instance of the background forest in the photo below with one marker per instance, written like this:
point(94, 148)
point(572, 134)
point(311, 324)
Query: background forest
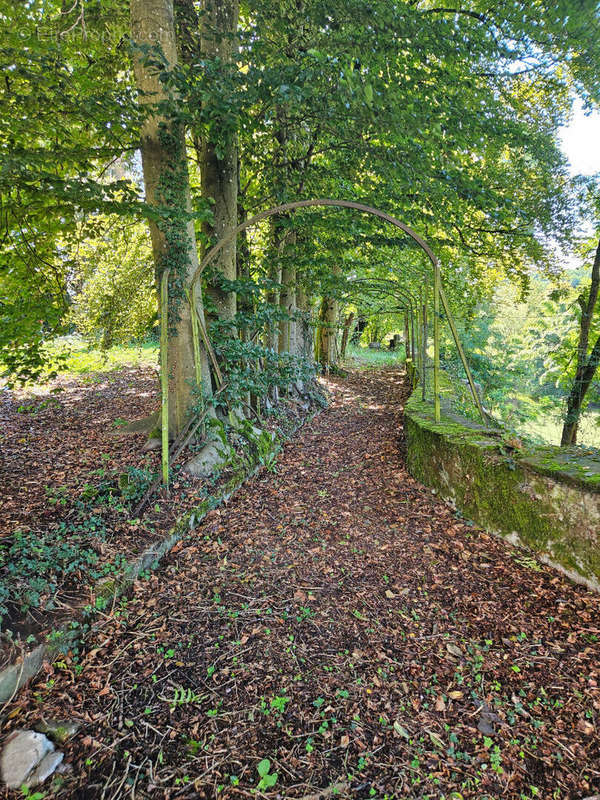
point(136, 135)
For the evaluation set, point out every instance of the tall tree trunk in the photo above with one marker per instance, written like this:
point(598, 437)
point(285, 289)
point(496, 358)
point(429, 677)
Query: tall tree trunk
point(166, 183)
point(287, 301)
point(326, 337)
point(304, 327)
point(586, 365)
point(246, 302)
point(219, 160)
point(361, 324)
point(327, 332)
point(347, 325)
point(407, 348)
point(275, 274)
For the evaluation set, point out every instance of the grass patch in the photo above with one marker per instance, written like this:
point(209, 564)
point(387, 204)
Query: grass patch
point(548, 428)
point(74, 356)
point(83, 357)
point(364, 357)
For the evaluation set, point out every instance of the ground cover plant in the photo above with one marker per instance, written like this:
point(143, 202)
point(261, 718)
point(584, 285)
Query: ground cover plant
point(336, 631)
point(60, 522)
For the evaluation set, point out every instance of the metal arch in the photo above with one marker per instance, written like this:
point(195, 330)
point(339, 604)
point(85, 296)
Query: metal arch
point(216, 249)
point(390, 288)
point(385, 286)
point(437, 277)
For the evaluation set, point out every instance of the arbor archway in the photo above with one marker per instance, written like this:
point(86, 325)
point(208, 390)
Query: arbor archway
point(365, 209)
point(214, 251)
point(438, 299)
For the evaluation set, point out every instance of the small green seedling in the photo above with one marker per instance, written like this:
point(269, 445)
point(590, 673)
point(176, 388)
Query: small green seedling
point(267, 779)
point(183, 696)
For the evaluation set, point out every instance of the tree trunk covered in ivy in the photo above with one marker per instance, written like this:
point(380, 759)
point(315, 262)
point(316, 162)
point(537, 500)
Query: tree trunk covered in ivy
point(586, 364)
point(327, 328)
point(304, 326)
point(326, 334)
point(218, 151)
point(287, 299)
point(246, 300)
point(361, 324)
point(283, 236)
point(166, 183)
point(274, 274)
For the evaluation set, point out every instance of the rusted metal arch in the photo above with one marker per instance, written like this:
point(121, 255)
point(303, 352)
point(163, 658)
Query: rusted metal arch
point(390, 288)
point(216, 249)
point(329, 202)
point(437, 278)
point(385, 286)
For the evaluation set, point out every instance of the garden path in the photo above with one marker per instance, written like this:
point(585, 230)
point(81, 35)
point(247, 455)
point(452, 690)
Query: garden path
point(336, 630)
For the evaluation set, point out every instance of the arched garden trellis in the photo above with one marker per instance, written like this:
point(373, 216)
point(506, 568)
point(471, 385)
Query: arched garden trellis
point(439, 300)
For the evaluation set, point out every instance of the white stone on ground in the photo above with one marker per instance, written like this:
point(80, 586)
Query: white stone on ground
point(28, 758)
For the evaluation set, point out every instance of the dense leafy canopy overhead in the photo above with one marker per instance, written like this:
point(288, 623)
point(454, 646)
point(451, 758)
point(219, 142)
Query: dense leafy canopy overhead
point(444, 115)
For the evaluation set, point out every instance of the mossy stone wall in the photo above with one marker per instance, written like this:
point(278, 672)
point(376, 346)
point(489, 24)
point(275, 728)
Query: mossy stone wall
point(535, 497)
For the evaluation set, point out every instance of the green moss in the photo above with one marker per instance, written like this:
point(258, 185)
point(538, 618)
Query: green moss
point(530, 493)
point(107, 588)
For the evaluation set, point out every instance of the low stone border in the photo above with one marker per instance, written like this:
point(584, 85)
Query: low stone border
point(16, 675)
point(544, 498)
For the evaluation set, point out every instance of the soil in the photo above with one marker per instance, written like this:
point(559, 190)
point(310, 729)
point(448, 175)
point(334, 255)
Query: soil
point(335, 631)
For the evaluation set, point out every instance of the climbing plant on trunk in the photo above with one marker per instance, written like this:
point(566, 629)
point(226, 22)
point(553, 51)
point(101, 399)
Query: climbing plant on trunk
point(217, 151)
point(587, 362)
point(166, 181)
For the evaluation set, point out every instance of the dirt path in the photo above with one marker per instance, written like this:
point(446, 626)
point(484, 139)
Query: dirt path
point(339, 621)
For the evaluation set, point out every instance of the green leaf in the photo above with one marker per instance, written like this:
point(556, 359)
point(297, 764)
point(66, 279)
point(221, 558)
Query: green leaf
point(435, 740)
point(263, 767)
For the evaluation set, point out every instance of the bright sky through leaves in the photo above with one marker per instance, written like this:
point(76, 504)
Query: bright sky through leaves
point(580, 142)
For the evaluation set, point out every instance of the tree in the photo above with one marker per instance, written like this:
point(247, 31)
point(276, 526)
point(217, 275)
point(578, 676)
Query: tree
point(446, 117)
point(164, 160)
point(115, 299)
point(63, 84)
point(587, 362)
point(326, 353)
point(216, 147)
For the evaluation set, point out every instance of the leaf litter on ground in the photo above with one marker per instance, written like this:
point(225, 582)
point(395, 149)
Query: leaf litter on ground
point(276, 616)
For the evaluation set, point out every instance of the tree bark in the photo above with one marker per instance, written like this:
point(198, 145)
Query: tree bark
point(275, 274)
point(326, 337)
point(407, 348)
point(219, 160)
point(347, 325)
point(287, 302)
point(304, 327)
point(586, 365)
point(167, 187)
point(361, 324)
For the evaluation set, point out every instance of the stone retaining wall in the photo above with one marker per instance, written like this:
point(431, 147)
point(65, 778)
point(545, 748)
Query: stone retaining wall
point(544, 498)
